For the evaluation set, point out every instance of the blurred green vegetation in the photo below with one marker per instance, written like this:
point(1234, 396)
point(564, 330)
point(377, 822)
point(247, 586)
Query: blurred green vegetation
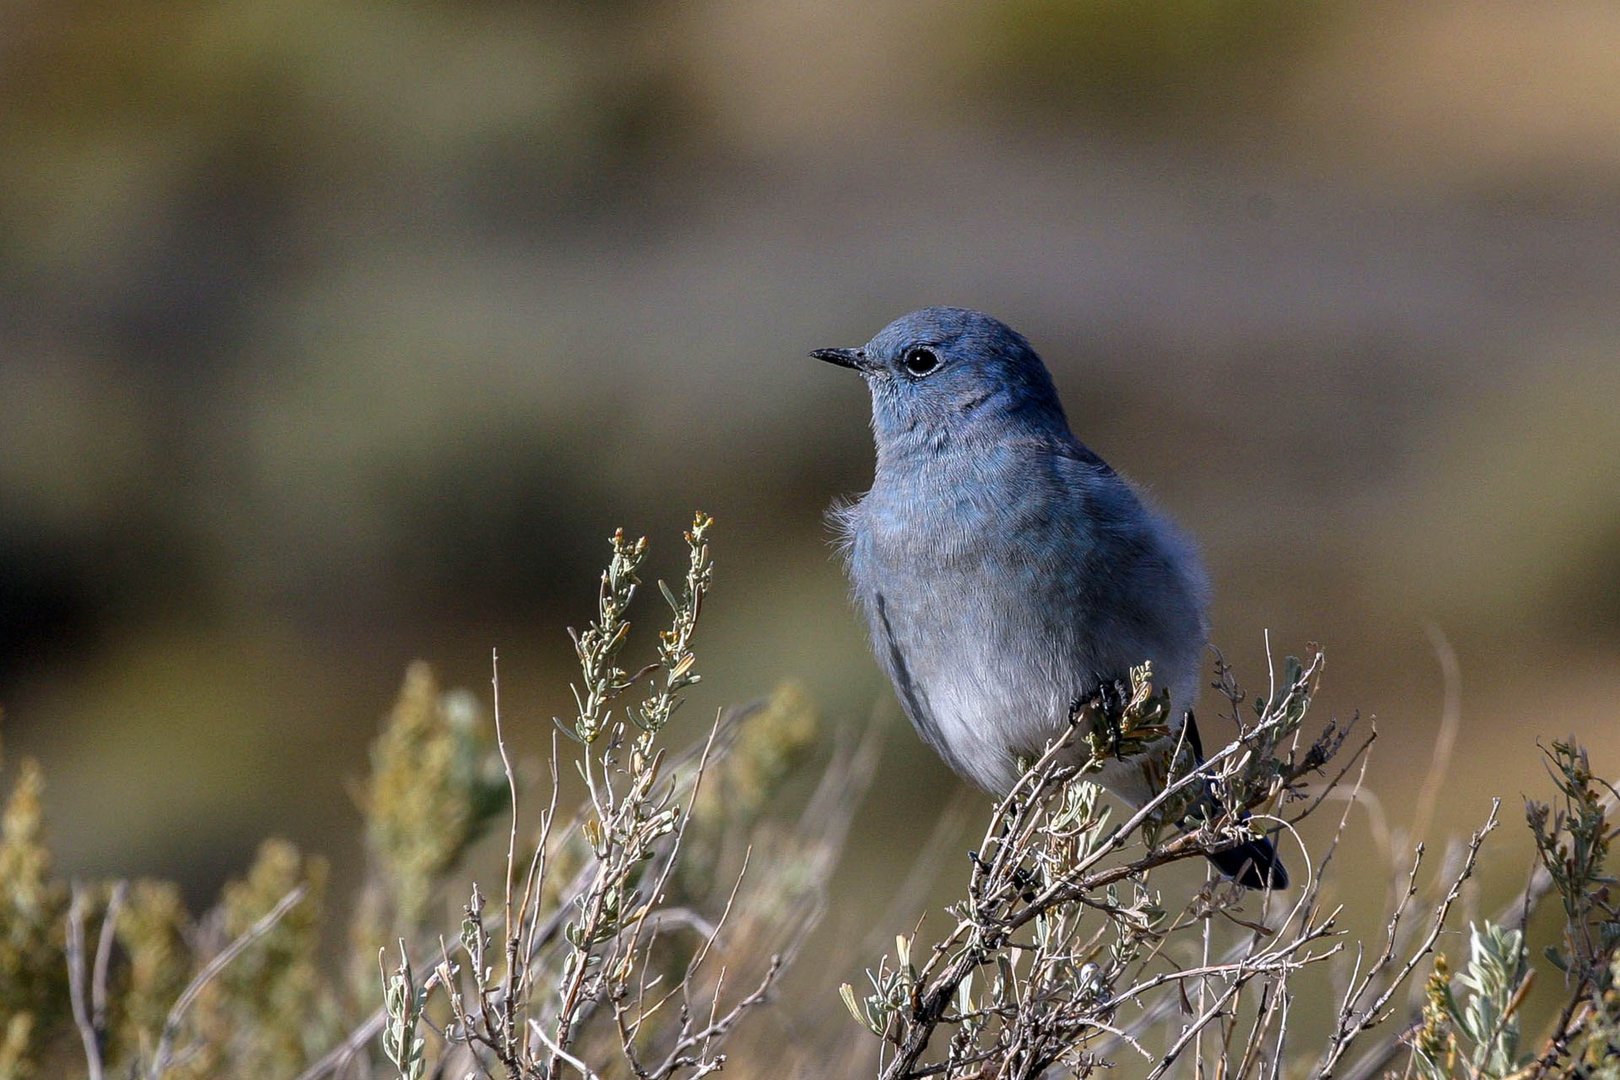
point(1145, 66)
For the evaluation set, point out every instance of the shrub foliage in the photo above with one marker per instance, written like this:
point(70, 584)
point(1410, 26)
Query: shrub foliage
point(642, 929)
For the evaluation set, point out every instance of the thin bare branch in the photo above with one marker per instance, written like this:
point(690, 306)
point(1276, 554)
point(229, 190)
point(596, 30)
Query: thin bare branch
point(163, 1056)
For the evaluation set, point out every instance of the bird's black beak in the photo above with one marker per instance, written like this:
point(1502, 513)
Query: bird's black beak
point(850, 358)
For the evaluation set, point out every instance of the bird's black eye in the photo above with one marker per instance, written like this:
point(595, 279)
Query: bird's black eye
point(920, 361)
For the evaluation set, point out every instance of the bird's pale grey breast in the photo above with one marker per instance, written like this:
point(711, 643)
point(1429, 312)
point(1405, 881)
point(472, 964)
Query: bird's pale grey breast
point(1000, 587)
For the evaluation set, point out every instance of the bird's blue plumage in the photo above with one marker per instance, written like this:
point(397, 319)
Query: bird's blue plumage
point(1003, 568)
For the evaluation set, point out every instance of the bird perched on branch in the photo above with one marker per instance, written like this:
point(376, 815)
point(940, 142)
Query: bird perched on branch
point(1004, 569)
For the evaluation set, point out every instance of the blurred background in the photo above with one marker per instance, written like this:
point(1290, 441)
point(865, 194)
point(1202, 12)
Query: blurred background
point(338, 334)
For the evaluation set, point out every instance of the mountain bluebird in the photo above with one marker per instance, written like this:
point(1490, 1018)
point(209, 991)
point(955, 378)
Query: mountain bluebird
point(1004, 569)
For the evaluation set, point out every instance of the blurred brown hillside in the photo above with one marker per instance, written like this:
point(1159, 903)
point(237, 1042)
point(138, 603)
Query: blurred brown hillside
point(338, 334)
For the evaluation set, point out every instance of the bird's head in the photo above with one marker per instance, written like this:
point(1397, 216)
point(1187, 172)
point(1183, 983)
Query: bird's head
point(946, 372)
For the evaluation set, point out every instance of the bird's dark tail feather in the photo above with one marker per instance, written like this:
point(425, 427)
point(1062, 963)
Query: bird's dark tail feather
point(1254, 865)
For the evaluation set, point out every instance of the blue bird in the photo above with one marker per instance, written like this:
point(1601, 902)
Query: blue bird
point(1004, 569)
